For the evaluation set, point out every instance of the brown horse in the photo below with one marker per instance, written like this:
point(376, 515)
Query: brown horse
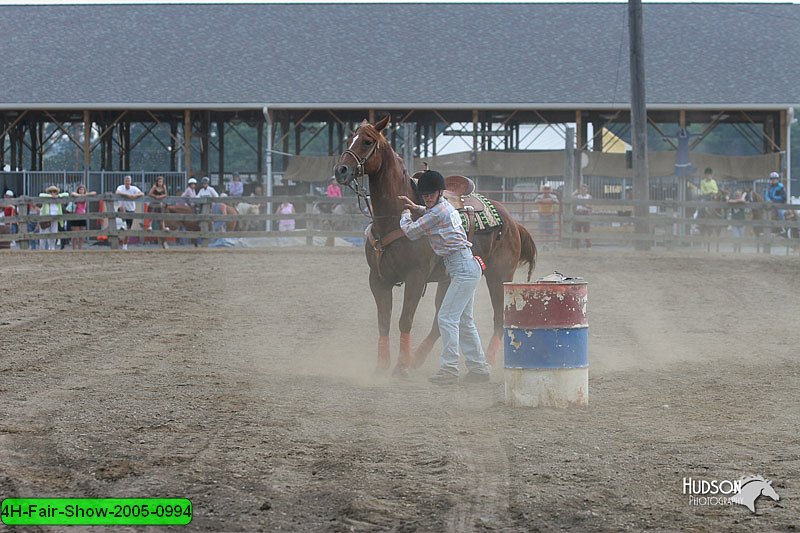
point(758, 212)
point(394, 259)
point(196, 225)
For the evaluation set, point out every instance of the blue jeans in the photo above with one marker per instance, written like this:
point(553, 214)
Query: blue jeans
point(456, 322)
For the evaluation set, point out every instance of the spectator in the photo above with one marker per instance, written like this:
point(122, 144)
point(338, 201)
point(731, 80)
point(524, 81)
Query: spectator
point(130, 192)
point(191, 190)
point(582, 209)
point(206, 190)
point(708, 185)
point(547, 205)
point(158, 192)
point(333, 190)
point(738, 199)
point(286, 224)
point(10, 210)
point(236, 188)
point(80, 195)
point(776, 194)
point(53, 209)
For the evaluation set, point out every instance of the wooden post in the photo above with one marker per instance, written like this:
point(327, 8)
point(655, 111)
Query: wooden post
point(310, 224)
point(111, 215)
point(187, 141)
point(205, 223)
point(87, 140)
point(569, 186)
point(641, 177)
point(22, 214)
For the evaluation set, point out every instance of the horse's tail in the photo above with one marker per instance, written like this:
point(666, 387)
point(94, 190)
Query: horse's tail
point(528, 252)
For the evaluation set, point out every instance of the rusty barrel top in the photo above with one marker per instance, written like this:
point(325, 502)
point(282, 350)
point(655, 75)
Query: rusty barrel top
point(545, 304)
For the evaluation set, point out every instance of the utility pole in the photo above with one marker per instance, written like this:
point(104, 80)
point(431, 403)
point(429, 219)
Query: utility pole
point(641, 171)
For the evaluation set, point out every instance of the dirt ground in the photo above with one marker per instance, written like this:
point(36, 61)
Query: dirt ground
point(242, 379)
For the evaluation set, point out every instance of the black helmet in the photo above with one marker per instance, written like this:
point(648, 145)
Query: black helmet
point(430, 182)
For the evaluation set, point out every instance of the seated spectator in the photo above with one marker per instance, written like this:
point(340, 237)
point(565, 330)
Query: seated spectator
point(236, 188)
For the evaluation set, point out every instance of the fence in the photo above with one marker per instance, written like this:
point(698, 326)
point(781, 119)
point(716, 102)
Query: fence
point(670, 224)
point(207, 221)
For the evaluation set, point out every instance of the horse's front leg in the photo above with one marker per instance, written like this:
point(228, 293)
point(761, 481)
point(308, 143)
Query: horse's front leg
point(425, 347)
point(382, 292)
point(415, 286)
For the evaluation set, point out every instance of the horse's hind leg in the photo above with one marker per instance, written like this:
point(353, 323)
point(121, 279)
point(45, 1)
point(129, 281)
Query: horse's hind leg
point(382, 292)
point(495, 285)
point(425, 347)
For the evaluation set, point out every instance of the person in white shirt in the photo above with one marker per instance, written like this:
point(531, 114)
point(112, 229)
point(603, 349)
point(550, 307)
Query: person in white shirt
point(129, 192)
point(206, 189)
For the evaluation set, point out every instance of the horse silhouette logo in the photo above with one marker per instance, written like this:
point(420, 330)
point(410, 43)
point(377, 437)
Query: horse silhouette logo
point(751, 488)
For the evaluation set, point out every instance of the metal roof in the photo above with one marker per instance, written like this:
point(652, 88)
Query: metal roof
point(469, 56)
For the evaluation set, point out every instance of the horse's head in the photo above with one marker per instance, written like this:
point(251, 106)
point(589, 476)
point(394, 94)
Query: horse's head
point(365, 152)
point(768, 491)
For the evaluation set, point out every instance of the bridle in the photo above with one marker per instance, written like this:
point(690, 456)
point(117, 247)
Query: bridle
point(355, 185)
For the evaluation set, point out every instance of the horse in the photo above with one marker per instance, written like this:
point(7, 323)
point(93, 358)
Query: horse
point(243, 208)
point(712, 213)
point(750, 489)
point(757, 212)
point(196, 225)
point(394, 259)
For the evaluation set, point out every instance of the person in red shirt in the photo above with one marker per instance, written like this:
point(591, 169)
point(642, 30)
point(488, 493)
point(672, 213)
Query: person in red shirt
point(10, 210)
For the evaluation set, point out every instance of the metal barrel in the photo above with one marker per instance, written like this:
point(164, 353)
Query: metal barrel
point(546, 342)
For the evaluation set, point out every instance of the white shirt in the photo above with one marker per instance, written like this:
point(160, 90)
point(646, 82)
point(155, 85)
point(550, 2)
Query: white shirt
point(128, 205)
point(210, 191)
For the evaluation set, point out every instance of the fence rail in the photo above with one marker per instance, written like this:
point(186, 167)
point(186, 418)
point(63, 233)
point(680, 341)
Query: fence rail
point(611, 223)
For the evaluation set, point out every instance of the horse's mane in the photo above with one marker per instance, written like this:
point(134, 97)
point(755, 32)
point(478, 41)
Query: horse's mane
point(750, 479)
point(377, 136)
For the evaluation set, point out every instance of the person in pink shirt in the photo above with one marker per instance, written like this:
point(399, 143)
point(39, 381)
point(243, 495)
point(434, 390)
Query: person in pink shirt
point(79, 196)
point(333, 190)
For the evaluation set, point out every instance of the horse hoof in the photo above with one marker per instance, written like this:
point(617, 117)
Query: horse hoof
point(401, 372)
point(380, 372)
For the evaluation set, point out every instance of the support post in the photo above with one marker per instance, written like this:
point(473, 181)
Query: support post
point(641, 179)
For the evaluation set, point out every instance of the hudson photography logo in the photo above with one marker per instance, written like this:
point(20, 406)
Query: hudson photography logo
point(713, 492)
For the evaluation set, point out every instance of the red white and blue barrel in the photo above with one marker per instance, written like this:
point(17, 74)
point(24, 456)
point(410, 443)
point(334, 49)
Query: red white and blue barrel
point(546, 342)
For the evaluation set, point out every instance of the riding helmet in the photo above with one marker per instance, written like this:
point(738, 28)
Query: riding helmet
point(430, 182)
point(774, 176)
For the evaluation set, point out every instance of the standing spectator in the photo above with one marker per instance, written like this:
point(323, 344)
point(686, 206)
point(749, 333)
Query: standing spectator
point(440, 223)
point(333, 190)
point(738, 199)
point(286, 224)
point(582, 209)
point(158, 192)
point(53, 209)
point(547, 205)
point(130, 192)
point(10, 210)
point(776, 194)
point(236, 188)
point(80, 202)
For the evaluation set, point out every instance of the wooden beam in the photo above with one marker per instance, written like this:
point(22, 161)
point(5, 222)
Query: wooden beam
point(87, 139)
point(187, 141)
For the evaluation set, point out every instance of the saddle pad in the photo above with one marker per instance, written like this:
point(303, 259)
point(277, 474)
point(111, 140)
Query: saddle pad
point(485, 220)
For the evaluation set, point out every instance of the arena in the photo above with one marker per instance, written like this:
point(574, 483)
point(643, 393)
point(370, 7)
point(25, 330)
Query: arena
point(243, 380)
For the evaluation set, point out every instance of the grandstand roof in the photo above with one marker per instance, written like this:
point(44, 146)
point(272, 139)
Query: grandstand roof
point(328, 56)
